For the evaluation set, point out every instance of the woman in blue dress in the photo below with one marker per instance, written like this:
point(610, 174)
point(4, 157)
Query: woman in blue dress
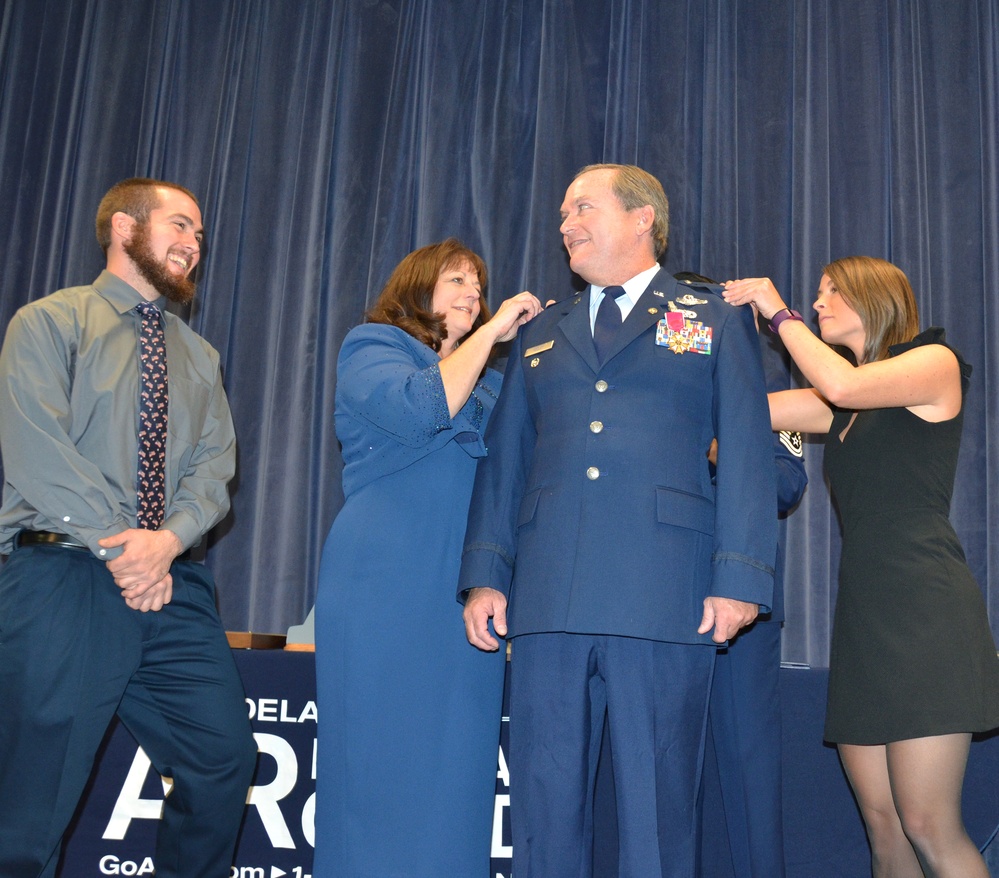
point(409, 712)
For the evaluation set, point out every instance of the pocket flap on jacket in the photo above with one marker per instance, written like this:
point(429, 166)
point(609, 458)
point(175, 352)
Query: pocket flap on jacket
point(681, 509)
point(528, 506)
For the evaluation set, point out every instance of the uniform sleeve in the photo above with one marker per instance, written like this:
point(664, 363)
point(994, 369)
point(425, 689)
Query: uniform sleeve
point(791, 476)
point(491, 533)
point(788, 448)
point(41, 461)
point(746, 491)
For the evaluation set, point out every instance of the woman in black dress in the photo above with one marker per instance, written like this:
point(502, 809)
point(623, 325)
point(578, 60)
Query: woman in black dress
point(913, 667)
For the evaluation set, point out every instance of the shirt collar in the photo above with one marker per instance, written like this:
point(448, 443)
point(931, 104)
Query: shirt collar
point(633, 290)
point(121, 295)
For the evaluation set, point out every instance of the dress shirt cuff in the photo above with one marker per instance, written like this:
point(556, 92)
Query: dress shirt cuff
point(185, 528)
point(90, 536)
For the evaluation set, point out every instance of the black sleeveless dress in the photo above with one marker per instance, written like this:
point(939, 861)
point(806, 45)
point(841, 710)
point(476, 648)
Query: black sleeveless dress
point(912, 653)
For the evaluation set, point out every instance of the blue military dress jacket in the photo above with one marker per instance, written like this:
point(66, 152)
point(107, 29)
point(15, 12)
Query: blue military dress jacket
point(594, 510)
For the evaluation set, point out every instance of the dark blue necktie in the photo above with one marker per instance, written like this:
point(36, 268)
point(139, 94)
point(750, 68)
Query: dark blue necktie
point(153, 403)
point(608, 321)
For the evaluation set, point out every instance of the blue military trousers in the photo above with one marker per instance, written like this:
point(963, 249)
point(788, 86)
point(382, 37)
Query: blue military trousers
point(744, 725)
point(655, 698)
point(72, 655)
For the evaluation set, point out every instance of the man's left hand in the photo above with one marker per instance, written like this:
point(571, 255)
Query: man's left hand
point(153, 598)
point(144, 562)
point(727, 617)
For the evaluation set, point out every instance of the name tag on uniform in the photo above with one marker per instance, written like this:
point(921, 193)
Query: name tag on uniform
point(537, 349)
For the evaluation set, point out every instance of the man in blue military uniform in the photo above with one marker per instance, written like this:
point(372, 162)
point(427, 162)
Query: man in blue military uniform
point(745, 712)
point(595, 519)
point(744, 715)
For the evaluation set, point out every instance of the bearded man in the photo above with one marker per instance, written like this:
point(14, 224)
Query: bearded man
point(117, 446)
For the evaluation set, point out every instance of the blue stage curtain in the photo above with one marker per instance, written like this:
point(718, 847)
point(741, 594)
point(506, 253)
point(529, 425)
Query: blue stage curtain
point(327, 138)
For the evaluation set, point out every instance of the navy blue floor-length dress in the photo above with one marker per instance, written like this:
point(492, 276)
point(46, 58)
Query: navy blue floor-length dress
point(409, 712)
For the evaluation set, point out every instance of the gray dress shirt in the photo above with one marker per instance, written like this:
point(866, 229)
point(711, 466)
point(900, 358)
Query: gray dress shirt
point(69, 386)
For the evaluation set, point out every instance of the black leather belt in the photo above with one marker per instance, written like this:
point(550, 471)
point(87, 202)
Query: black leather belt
point(63, 541)
point(48, 538)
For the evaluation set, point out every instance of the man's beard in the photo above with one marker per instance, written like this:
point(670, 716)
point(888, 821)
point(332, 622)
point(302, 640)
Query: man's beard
point(176, 288)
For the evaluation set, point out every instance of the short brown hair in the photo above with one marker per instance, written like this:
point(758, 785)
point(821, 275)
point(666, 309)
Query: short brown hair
point(136, 196)
point(636, 188)
point(407, 300)
point(881, 295)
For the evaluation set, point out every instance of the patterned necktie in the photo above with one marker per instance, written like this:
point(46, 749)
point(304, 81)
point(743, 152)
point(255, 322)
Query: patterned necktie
point(149, 485)
point(608, 321)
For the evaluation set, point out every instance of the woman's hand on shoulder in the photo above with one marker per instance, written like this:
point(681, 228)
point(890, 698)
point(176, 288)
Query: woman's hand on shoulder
point(514, 313)
point(757, 291)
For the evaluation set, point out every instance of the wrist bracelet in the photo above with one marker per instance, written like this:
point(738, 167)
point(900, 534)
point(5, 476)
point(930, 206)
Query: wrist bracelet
point(781, 316)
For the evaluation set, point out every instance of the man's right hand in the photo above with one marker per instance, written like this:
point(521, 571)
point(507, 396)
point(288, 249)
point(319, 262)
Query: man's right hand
point(482, 605)
point(142, 570)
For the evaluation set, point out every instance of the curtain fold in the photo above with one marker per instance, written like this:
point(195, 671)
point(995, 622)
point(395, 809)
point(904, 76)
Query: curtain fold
point(328, 138)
